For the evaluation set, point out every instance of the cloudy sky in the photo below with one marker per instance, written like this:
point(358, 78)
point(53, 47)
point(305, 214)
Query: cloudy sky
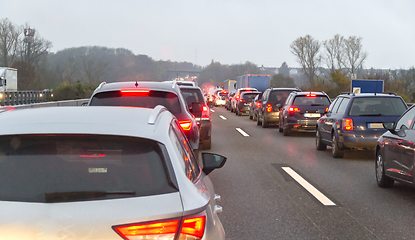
point(226, 31)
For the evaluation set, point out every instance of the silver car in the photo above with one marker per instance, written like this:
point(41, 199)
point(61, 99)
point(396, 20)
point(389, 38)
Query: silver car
point(103, 173)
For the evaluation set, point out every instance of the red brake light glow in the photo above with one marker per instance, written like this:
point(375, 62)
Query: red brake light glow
point(310, 95)
point(135, 92)
point(269, 108)
point(347, 124)
point(162, 229)
point(205, 113)
point(258, 104)
point(294, 109)
point(185, 125)
point(194, 226)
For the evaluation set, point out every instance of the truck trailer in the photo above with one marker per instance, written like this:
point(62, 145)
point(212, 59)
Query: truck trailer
point(258, 81)
point(230, 85)
point(8, 79)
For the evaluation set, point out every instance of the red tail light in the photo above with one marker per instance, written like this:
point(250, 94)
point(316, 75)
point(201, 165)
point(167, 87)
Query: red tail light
point(269, 108)
point(258, 104)
point(192, 228)
point(205, 112)
point(327, 109)
point(310, 95)
point(347, 124)
point(185, 125)
point(135, 92)
point(241, 100)
point(293, 109)
point(237, 97)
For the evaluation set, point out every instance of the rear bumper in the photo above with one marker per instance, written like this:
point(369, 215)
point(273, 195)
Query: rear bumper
point(272, 117)
point(352, 140)
point(302, 125)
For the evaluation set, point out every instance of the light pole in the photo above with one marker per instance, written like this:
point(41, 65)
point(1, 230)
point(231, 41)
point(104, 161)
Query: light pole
point(29, 35)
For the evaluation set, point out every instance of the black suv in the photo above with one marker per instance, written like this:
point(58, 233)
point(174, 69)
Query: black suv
point(271, 102)
point(197, 105)
point(302, 110)
point(355, 121)
point(242, 106)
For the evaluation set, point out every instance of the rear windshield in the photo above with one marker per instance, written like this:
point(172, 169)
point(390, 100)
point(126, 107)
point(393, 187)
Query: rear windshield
point(279, 96)
point(192, 95)
point(311, 101)
point(249, 96)
point(147, 100)
point(55, 168)
point(222, 94)
point(377, 106)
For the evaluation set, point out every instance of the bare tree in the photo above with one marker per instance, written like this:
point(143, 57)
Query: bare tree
point(93, 69)
point(9, 39)
point(354, 54)
point(306, 50)
point(334, 54)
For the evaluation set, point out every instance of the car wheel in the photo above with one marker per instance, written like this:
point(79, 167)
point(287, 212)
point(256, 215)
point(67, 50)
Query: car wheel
point(258, 122)
point(381, 179)
point(255, 117)
point(286, 131)
point(238, 112)
point(265, 124)
point(280, 127)
point(336, 152)
point(207, 144)
point(319, 145)
point(250, 116)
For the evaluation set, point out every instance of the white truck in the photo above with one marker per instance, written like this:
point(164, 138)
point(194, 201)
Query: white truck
point(8, 79)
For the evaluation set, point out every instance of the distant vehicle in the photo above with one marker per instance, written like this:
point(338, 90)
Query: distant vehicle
point(149, 95)
point(228, 100)
point(236, 98)
point(395, 151)
point(219, 98)
point(354, 121)
point(253, 107)
point(104, 173)
point(8, 79)
point(258, 81)
point(198, 107)
point(302, 110)
point(271, 102)
point(230, 85)
point(242, 106)
point(185, 83)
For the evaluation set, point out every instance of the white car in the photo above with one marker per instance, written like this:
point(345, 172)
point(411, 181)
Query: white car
point(103, 173)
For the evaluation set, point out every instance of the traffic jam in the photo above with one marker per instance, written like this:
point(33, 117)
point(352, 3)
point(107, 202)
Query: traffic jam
point(135, 162)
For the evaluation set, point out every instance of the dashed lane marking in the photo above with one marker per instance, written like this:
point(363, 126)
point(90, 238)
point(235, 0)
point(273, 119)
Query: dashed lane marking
point(242, 132)
point(224, 118)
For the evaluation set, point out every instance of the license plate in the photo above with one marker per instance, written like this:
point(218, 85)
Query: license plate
point(375, 125)
point(312, 115)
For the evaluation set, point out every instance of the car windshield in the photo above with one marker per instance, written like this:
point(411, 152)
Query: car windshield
point(311, 100)
point(55, 168)
point(377, 106)
point(147, 100)
point(279, 96)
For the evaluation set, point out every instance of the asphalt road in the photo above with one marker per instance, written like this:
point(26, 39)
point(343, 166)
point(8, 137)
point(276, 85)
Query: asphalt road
point(261, 200)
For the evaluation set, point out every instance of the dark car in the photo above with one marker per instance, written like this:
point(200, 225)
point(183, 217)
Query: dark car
point(395, 151)
point(198, 107)
point(271, 102)
point(302, 110)
point(243, 105)
point(149, 95)
point(253, 107)
point(355, 121)
point(237, 97)
point(228, 100)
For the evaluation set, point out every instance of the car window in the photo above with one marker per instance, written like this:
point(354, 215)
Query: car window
point(191, 95)
point(144, 99)
point(383, 106)
point(249, 96)
point(311, 100)
point(406, 120)
point(64, 168)
point(279, 96)
point(184, 152)
point(335, 105)
point(343, 105)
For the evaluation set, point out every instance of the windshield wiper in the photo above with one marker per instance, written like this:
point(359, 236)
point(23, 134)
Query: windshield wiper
point(81, 195)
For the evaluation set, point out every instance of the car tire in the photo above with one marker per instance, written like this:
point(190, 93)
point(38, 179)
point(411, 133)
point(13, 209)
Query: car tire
point(258, 122)
point(319, 144)
point(286, 131)
point(238, 112)
point(265, 124)
point(255, 117)
point(280, 127)
point(250, 116)
point(207, 144)
point(336, 152)
point(381, 179)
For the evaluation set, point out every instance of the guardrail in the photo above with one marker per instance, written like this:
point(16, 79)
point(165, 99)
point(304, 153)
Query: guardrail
point(77, 102)
point(23, 97)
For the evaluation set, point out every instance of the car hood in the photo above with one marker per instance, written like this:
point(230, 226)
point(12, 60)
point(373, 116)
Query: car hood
point(83, 220)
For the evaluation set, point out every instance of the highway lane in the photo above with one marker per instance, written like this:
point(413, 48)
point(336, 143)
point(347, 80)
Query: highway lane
point(262, 201)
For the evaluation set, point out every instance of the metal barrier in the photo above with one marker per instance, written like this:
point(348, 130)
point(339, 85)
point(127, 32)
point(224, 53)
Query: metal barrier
point(78, 102)
point(23, 97)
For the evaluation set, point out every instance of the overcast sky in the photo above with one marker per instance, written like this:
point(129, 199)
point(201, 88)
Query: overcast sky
point(227, 31)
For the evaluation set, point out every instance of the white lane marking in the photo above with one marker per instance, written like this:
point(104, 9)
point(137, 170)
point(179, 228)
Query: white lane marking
point(224, 118)
point(242, 132)
point(310, 188)
point(212, 110)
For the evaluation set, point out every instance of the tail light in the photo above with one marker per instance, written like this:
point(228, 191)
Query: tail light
point(186, 125)
point(269, 108)
point(310, 95)
point(205, 113)
point(347, 124)
point(241, 100)
point(258, 104)
point(217, 97)
point(191, 229)
point(326, 109)
point(237, 97)
point(135, 92)
point(293, 110)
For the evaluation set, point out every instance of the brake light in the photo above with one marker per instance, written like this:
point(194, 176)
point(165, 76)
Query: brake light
point(293, 109)
point(237, 97)
point(327, 109)
point(205, 112)
point(191, 228)
point(347, 124)
point(242, 100)
point(258, 104)
point(310, 95)
point(185, 125)
point(135, 92)
point(269, 108)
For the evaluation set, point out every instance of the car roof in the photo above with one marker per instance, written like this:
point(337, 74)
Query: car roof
point(292, 89)
point(120, 121)
point(169, 86)
point(370, 95)
point(307, 93)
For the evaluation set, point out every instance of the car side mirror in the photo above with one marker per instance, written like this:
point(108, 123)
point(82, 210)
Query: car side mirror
point(196, 108)
point(390, 126)
point(212, 161)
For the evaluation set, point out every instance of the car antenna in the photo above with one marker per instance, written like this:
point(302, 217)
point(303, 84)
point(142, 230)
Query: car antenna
point(136, 83)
